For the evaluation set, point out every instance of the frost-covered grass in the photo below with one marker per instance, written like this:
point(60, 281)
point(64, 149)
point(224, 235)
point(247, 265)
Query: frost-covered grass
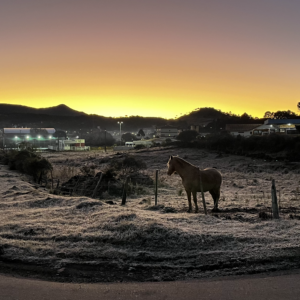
point(38, 227)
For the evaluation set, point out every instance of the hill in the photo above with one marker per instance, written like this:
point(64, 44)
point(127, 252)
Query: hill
point(59, 110)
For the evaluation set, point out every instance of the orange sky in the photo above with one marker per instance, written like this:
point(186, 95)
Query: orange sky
point(151, 58)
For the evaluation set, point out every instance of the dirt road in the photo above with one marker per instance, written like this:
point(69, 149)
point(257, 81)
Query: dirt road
point(263, 287)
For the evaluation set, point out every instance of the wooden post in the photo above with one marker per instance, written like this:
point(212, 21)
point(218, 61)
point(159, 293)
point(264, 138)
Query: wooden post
point(95, 190)
point(57, 183)
point(76, 184)
point(202, 193)
point(51, 179)
point(156, 182)
point(40, 177)
point(274, 201)
point(125, 191)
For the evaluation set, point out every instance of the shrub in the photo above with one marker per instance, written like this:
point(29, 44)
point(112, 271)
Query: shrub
point(128, 165)
point(187, 136)
point(28, 162)
point(138, 147)
point(88, 170)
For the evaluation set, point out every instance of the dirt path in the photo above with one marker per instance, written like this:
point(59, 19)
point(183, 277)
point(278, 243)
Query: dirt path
point(275, 287)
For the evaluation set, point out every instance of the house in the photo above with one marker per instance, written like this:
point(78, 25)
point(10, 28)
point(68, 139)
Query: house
point(241, 129)
point(167, 131)
point(200, 125)
point(69, 145)
point(284, 126)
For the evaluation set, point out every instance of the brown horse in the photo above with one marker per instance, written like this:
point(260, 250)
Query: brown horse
point(190, 175)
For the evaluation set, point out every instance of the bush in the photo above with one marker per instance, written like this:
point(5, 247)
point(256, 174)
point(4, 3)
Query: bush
point(272, 143)
point(138, 147)
point(128, 165)
point(187, 136)
point(27, 162)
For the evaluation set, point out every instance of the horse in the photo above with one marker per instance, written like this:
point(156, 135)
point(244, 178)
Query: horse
point(191, 176)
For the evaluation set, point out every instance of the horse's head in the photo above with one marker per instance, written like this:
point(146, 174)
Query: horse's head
point(170, 164)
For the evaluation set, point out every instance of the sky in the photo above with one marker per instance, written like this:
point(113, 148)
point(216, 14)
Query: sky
point(160, 58)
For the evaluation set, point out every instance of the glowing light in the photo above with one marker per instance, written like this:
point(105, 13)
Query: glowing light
point(16, 137)
point(39, 136)
point(27, 137)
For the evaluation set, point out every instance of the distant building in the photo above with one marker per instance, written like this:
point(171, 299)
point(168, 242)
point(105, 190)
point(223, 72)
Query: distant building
point(38, 137)
point(284, 126)
point(167, 131)
point(241, 129)
point(69, 145)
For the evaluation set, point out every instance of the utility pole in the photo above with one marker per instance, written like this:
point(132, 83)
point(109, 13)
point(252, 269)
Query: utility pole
point(105, 140)
point(120, 131)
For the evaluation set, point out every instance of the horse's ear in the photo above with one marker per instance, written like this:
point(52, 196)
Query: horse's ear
point(171, 157)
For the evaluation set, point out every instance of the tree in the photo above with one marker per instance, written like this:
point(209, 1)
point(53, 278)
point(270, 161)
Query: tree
point(129, 165)
point(99, 138)
point(245, 116)
point(187, 136)
point(298, 105)
point(269, 115)
point(60, 134)
point(141, 133)
point(284, 114)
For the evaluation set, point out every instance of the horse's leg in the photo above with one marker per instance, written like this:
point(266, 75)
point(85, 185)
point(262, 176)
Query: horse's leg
point(189, 199)
point(195, 201)
point(215, 195)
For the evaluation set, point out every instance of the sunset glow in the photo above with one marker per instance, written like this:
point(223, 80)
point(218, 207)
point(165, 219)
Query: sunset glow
point(151, 58)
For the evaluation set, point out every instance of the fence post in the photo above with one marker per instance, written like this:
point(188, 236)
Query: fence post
point(95, 190)
point(156, 181)
point(125, 191)
point(202, 193)
point(51, 179)
point(274, 201)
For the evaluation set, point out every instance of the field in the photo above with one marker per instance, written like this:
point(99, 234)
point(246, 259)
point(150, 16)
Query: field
point(77, 238)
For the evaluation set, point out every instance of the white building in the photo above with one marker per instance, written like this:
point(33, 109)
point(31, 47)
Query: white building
point(69, 145)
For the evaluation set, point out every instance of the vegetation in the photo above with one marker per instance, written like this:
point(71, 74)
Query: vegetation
point(271, 144)
point(187, 136)
point(98, 138)
point(128, 137)
point(138, 147)
point(128, 165)
point(281, 114)
point(27, 162)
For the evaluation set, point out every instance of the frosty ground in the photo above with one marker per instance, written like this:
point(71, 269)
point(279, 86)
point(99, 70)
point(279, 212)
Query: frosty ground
point(82, 239)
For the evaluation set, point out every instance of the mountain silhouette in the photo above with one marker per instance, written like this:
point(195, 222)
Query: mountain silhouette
point(59, 110)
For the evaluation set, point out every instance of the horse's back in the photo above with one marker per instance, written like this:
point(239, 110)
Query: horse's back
point(212, 176)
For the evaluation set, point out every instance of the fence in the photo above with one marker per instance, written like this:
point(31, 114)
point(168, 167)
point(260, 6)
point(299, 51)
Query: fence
point(152, 186)
point(103, 186)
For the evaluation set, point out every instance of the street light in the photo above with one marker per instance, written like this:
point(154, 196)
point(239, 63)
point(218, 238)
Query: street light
point(120, 131)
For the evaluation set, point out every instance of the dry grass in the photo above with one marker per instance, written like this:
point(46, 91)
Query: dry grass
point(40, 228)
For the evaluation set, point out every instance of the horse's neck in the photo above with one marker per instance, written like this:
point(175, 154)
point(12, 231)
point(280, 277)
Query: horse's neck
point(183, 168)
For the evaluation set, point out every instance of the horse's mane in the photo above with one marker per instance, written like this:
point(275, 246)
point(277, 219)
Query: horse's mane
point(182, 162)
